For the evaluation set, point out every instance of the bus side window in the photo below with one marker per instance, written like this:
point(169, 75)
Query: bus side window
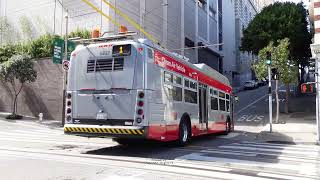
point(228, 105)
point(171, 88)
point(222, 104)
point(168, 77)
point(186, 83)
point(150, 53)
point(214, 103)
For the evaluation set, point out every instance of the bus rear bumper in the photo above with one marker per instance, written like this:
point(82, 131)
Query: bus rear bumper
point(106, 131)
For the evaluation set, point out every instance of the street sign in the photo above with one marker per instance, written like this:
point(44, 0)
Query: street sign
point(71, 47)
point(308, 88)
point(65, 65)
point(58, 50)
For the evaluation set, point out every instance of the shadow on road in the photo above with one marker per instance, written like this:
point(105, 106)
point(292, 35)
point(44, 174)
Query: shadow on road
point(160, 150)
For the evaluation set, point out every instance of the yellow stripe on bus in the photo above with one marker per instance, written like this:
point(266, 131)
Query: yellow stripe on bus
point(104, 130)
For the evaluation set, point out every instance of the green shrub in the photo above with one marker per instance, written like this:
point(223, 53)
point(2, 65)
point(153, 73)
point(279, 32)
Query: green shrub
point(7, 51)
point(82, 33)
point(42, 46)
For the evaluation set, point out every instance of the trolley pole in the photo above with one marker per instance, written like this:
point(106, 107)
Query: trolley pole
point(64, 71)
point(270, 98)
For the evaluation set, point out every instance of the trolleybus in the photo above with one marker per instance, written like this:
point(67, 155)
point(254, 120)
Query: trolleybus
point(127, 88)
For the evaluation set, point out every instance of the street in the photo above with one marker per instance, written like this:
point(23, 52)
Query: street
point(33, 151)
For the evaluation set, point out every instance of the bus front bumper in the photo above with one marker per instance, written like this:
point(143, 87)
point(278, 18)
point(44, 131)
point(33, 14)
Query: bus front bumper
point(105, 131)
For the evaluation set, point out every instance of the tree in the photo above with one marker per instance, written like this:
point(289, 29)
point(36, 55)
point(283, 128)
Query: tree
point(279, 21)
point(280, 59)
point(17, 71)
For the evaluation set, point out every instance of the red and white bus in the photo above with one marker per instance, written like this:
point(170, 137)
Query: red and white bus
point(124, 88)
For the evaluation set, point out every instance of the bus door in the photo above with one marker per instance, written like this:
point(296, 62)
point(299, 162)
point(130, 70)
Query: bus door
point(203, 107)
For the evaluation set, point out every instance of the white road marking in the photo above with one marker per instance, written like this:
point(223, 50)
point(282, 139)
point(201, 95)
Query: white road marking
point(57, 142)
point(280, 176)
point(284, 150)
point(254, 164)
point(314, 149)
point(284, 145)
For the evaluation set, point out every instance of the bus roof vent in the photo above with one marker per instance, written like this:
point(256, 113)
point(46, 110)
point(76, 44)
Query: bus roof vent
point(120, 36)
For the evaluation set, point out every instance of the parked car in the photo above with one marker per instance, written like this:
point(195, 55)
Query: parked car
point(262, 82)
point(250, 84)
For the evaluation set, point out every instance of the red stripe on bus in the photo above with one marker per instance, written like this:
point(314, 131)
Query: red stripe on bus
point(172, 64)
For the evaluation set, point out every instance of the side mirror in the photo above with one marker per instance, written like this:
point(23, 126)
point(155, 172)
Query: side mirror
point(236, 99)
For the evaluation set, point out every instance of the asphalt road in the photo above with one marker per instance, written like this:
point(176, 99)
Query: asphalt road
point(252, 111)
point(32, 151)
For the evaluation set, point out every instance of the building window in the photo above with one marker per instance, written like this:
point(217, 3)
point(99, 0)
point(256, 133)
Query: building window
point(188, 42)
point(202, 4)
point(212, 9)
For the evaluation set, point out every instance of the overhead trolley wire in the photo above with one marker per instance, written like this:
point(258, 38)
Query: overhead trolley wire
point(131, 21)
point(102, 13)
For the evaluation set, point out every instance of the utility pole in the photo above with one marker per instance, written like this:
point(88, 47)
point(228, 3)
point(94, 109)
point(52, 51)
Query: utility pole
point(64, 71)
point(270, 98)
point(315, 49)
point(269, 89)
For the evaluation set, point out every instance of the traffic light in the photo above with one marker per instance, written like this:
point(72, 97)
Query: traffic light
point(274, 74)
point(308, 88)
point(268, 58)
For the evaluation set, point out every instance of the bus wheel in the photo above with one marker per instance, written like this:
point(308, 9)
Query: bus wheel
point(184, 133)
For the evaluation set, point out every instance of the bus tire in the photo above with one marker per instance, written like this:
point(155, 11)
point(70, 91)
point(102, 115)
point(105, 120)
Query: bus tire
point(184, 133)
point(228, 127)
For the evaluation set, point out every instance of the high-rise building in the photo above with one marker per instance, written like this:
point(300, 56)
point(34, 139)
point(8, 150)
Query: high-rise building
point(245, 11)
point(205, 31)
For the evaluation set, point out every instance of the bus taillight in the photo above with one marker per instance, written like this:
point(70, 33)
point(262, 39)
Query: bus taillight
point(140, 112)
point(140, 103)
point(141, 95)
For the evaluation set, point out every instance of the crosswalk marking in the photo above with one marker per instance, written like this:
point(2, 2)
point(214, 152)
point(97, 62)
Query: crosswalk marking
point(302, 160)
point(280, 176)
point(279, 147)
point(283, 150)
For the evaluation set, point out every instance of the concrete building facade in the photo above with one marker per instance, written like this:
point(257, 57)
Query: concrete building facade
point(179, 25)
point(245, 11)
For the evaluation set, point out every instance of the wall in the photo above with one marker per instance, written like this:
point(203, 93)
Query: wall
point(44, 95)
point(47, 16)
point(229, 46)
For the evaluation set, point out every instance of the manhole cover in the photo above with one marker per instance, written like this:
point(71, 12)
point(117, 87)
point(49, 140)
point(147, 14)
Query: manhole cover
point(281, 142)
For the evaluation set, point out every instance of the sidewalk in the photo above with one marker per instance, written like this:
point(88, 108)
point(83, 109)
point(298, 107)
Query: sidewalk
point(49, 123)
point(300, 128)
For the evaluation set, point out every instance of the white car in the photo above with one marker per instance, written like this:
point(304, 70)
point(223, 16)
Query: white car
point(250, 84)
